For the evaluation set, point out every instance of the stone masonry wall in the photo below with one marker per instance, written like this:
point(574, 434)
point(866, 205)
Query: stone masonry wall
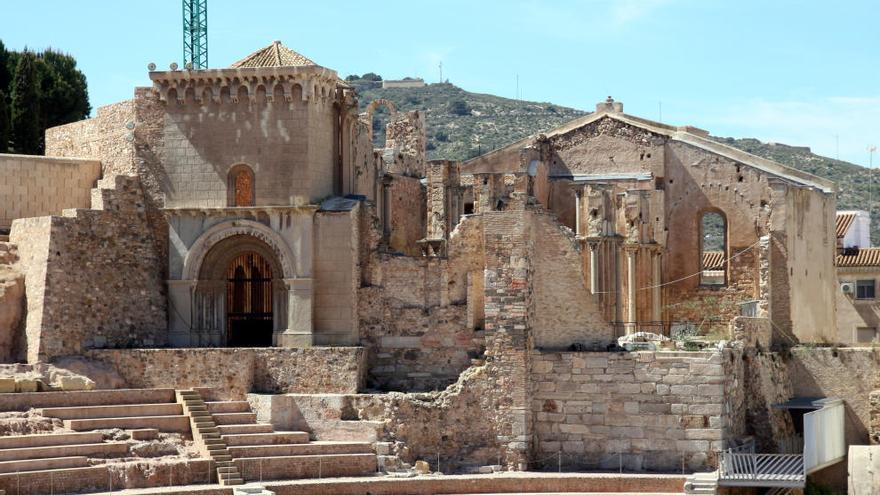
point(417, 343)
point(654, 411)
point(92, 276)
point(267, 370)
point(108, 137)
point(407, 215)
point(565, 311)
point(35, 186)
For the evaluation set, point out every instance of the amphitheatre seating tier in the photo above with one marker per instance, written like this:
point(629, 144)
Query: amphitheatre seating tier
point(103, 449)
point(38, 464)
point(35, 400)
point(40, 440)
point(175, 424)
point(120, 411)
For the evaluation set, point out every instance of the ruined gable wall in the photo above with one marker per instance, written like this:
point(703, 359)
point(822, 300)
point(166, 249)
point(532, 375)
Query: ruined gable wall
point(651, 411)
point(33, 186)
point(698, 181)
point(564, 310)
point(607, 146)
point(102, 284)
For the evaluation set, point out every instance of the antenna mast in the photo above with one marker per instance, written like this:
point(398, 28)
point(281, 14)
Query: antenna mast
point(195, 33)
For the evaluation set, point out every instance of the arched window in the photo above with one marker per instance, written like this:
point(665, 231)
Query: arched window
point(241, 186)
point(713, 249)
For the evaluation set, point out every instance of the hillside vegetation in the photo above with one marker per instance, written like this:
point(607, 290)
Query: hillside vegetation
point(462, 125)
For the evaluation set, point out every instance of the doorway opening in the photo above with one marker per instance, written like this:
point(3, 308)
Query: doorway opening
point(249, 298)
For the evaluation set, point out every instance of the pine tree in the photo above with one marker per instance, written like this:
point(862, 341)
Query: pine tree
point(65, 97)
point(26, 131)
point(5, 125)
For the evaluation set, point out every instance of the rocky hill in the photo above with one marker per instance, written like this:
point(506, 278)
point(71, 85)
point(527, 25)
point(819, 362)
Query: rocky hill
point(462, 125)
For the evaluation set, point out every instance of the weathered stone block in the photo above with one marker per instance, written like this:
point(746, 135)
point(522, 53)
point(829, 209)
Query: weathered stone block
point(7, 385)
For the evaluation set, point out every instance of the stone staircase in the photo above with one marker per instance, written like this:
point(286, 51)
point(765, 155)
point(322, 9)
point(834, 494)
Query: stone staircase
point(80, 458)
point(207, 436)
point(261, 453)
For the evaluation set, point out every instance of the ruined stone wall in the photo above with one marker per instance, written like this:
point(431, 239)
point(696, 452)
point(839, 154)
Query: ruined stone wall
point(34, 186)
point(108, 137)
point(650, 411)
point(697, 182)
point(607, 146)
point(564, 310)
point(12, 304)
point(405, 135)
point(265, 370)
point(408, 214)
point(336, 274)
point(811, 245)
point(92, 276)
point(416, 342)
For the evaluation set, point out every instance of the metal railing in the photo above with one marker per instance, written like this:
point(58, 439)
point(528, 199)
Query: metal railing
point(748, 469)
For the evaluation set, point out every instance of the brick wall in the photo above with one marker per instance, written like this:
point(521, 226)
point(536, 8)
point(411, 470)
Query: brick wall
point(34, 186)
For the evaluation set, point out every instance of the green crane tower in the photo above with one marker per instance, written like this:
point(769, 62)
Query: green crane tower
point(195, 33)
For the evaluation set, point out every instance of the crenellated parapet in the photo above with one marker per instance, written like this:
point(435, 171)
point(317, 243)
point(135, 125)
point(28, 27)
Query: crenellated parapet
point(309, 84)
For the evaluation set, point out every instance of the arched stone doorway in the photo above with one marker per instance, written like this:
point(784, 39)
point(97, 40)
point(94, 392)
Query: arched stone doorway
point(238, 282)
point(240, 299)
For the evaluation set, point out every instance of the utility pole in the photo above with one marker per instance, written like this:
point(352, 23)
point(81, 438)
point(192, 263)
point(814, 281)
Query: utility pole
point(195, 34)
point(441, 71)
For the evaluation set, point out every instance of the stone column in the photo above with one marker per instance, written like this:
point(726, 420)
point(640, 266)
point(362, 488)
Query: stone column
point(656, 289)
point(594, 267)
point(630, 289)
point(299, 332)
point(180, 311)
point(577, 212)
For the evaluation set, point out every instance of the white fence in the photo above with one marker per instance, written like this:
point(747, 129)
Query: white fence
point(823, 435)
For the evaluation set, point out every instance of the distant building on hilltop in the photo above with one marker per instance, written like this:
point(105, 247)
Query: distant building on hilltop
point(406, 82)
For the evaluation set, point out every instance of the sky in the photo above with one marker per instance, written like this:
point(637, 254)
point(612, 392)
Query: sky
point(804, 73)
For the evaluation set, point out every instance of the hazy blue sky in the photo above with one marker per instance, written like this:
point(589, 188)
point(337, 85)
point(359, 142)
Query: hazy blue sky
point(798, 72)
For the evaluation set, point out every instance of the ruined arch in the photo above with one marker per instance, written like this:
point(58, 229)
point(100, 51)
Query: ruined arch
point(372, 106)
point(713, 228)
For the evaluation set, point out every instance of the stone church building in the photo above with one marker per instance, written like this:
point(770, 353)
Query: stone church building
point(239, 225)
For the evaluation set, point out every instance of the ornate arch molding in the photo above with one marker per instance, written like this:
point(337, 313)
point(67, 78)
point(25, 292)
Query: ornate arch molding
point(192, 265)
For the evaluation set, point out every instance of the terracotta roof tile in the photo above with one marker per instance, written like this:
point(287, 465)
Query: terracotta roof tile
point(274, 55)
point(713, 260)
point(855, 257)
point(844, 222)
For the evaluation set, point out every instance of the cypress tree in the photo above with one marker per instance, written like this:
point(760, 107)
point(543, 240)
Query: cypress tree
point(26, 131)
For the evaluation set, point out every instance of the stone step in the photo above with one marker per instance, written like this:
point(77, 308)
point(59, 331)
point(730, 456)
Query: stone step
point(23, 401)
point(347, 431)
point(228, 406)
point(240, 429)
point(111, 449)
point(118, 411)
point(235, 418)
point(306, 466)
point(24, 441)
point(175, 424)
point(311, 448)
point(281, 437)
point(43, 464)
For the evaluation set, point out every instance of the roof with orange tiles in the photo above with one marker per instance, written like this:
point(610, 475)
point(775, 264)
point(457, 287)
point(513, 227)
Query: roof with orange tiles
point(274, 55)
point(855, 257)
point(713, 260)
point(844, 222)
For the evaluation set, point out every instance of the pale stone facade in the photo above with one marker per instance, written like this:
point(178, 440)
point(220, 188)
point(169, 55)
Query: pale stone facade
point(246, 237)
